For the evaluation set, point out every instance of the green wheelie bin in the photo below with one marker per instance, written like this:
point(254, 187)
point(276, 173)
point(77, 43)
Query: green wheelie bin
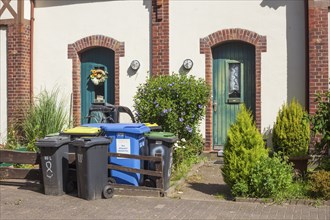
point(160, 143)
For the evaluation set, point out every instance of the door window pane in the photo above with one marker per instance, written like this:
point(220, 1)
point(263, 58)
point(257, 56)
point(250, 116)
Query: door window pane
point(234, 90)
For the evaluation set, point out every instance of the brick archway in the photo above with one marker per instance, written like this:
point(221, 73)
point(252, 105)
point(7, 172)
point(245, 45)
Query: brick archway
point(219, 37)
point(74, 51)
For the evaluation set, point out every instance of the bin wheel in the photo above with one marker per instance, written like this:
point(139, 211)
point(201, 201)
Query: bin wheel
point(70, 186)
point(111, 180)
point(108, 191)
point(149, 183)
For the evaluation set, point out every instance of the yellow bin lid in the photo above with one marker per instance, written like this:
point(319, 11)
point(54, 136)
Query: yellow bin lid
point(82, 131)
point(151, 125)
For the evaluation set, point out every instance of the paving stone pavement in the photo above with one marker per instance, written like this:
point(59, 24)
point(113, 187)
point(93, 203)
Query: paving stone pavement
point(206, 183)
point(198, 201)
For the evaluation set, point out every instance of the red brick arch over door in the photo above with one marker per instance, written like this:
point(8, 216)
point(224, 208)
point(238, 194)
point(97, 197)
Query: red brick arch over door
point(222, 36)
point(74, 51)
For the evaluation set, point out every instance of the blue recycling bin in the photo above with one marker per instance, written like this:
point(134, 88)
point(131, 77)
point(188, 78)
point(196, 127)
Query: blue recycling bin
point(126, 139)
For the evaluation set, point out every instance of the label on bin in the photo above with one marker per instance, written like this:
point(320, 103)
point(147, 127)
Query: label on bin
point(80, 158)
point(120, 135)
point(159, 142)
point(123, 146)
point(170, 166)
point(48, 165)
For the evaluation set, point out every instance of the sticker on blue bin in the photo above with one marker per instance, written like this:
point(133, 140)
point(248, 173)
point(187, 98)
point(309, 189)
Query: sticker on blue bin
point(141, 144)
point(123, 146)
point(120, 135)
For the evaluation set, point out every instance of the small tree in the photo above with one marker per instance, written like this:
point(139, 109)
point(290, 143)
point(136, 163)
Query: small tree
point(243, 149)
point(291, 133)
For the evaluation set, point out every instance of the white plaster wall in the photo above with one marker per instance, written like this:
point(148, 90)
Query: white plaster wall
point(27, 9)
point(283, 65)
point(3, 84)
point(59, 23)
point(6, 14)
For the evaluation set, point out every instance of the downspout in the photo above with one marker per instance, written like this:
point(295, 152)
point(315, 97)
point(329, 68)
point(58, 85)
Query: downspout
point(306, 55)
point(31, 48)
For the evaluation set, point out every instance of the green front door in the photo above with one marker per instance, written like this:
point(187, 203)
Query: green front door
point(96, 58)
point(233, 83)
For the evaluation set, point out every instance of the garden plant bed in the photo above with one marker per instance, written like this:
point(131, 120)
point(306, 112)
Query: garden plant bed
point(291, 201)
point(205, 182)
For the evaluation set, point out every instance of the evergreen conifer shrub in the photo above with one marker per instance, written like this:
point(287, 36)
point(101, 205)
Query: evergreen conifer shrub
point(291, 132)
point(243, 149)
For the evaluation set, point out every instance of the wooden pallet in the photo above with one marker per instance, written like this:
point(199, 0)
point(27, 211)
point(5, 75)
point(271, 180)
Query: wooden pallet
point(9, 174)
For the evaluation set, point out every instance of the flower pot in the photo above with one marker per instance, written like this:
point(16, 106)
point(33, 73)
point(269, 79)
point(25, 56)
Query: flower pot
point(300, 163)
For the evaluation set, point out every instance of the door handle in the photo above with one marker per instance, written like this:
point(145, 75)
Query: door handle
point(215, 104)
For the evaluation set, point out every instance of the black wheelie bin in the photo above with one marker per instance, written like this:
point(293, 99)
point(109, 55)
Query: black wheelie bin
point(92, 167)
point(55, 164)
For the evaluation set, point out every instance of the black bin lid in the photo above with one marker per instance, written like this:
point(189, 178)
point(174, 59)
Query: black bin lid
point(53, 141)
point(91, 141)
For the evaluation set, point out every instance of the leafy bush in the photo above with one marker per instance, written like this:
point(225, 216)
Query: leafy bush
point(319, 184)
point(324, 163)
point(240, 188)
point(243, 149)
point(47, 115)
point(291, 133)
point(269, 177)
point(176, 102)
point(321, 122)
point(185, 155)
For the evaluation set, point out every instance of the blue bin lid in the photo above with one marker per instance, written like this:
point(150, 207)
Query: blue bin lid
point(133, 128)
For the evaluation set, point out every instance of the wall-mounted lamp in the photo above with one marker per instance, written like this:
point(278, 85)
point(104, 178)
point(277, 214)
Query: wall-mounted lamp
point(188, 64)
point(135, 65)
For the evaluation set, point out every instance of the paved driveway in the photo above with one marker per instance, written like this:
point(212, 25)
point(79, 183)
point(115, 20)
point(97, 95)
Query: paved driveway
point(24, 203)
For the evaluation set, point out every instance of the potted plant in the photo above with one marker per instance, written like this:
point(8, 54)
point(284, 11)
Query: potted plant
point(291, 134)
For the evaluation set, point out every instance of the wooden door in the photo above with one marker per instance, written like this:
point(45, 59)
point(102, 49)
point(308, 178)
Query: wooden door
point(233, 84)
point(96, 58)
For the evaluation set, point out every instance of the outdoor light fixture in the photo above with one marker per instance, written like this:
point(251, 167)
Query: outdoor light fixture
point(188, 64)
point(135, 65)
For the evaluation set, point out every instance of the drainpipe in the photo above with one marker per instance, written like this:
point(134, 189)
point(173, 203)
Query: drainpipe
point(306, 55)
point(31, 48)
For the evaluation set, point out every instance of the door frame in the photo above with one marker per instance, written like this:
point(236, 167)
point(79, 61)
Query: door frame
point(222, 36)
point(74, 51)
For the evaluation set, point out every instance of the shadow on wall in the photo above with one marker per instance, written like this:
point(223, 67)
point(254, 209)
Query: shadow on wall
point(295, 35)
point(53, 3)
point(44, 4)
point(148, 5)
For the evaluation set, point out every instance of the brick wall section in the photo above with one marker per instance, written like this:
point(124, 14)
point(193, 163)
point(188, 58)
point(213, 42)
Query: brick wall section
point(318, 49)
point(75, 49)
point(18, 82)
point(160, 37)
point(219, 37)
